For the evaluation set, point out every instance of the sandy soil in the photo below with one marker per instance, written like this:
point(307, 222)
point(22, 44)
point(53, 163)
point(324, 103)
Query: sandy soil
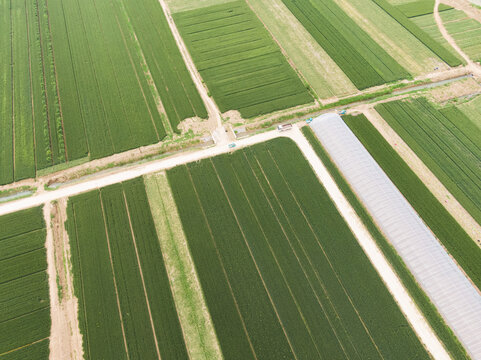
point(423, 172)
point(454, 90)
point(65, 338)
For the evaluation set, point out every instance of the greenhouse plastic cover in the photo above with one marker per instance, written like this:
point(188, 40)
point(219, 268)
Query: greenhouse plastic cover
point(456, 299)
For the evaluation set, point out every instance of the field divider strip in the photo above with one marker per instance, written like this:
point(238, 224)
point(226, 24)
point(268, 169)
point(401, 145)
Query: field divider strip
point(141, 275)
point(222, 265)
point(325, 254)
point(113, 275)
point(253, 259)
point(13, 88)
point(84, 306)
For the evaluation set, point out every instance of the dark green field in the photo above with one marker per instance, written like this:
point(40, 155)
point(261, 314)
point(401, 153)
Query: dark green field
point(24, 297)
point(281, 272)
point(242, 66)
point(120, 277)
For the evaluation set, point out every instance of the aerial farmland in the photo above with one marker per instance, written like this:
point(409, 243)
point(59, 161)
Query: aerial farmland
point(240, 179)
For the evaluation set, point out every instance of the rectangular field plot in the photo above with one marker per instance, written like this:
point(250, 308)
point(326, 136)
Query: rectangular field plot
point(365, 62)
point(24, 292)
point(282, 275)
point(126, 308)
point(74, 84)
point(446, 141)
point(242, 66)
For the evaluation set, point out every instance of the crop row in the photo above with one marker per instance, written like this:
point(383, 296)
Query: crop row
point(172, 79)
point(436, 321)
point(128, 270)
point(237, 58)
point(437, 218)
point(420, 7)
point(74, 85)
point(279, 268)
point(358, 55)
point(420, 34)
point(24, 291)
point(443, 144)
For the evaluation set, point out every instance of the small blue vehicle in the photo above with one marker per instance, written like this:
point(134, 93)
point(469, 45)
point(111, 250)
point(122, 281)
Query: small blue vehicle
point(233, 145)
point(309, 120)
point(342, 112)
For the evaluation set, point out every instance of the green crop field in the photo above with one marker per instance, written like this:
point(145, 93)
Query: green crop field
point(73, 83)
point(437, 218)
point(445, 142)
point(126, 309)
point(442, 330)
point(240, 63)
point(420, 7)
point(435, 46)
point(360, 57)
point(282, 275)
point(24, 292)
point(472, 109)
point(465, 31)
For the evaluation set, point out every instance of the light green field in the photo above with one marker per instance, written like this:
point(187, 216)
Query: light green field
point(428, 24)
point(408, 51)
point(465, 31)
point(472, 109)
point(184, 5)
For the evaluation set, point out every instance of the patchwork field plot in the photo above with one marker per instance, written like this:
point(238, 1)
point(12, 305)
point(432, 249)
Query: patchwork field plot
point(24, 293)
point(465, 31)
point(126, 308)
point(437, 218)
point(242, 66)
point(282, 274)
point(445, 143)
point(441, 51)
point(72, 82)
point(360, 57)
point(472, 110)
point(420, 7)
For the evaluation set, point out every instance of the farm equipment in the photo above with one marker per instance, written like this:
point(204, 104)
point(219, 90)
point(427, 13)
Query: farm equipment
point(232, 145)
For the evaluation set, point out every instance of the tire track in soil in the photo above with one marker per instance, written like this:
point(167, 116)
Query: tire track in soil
point(134, 241)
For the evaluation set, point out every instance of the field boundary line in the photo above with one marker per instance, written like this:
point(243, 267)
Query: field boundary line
point(24, 346)
point(113, 275)
point(74, 77)
point(13, 88)
point(325, 254)
point(277, 262)
point(222, 264)
point(160, 195)
point(29, 49)
point(321, 282)
point(136, 74)
point(253, 259)
point(141, 274)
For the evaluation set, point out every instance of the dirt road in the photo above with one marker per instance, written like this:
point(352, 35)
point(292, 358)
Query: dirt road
point(471, 65)
point(218, 132)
